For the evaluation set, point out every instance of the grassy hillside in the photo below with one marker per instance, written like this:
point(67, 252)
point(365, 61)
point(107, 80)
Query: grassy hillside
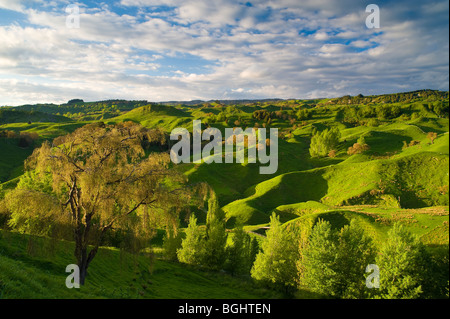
point(165, 117)
point(33, 267)
point(403, 177)
point(16, 116)
point(413, 180)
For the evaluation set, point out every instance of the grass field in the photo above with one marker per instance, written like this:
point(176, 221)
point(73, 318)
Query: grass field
point(34, 267)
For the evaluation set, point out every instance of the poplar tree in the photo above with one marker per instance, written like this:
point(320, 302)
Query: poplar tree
point(240, 253)
point(403, 265)
point(191, 251)
point(334, 262)
point(216, 237)
point(276, 262)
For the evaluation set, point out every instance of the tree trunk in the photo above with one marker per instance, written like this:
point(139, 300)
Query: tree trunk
point(83, 265)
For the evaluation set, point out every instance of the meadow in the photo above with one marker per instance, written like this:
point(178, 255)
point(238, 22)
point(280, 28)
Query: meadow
point(400, 178)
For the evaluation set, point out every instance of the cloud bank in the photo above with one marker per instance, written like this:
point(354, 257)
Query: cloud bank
point(162, 50)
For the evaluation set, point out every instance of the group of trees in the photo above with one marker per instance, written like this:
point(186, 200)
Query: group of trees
point(322, 143)
point(390, 98)
point(304, 114)
point(207, 246)
point(440, 108)
point(367, 114)
point(325, 260)
point(333, 262)
point(263, 115)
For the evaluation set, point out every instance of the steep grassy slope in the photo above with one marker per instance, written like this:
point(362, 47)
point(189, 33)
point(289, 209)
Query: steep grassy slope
point(417, 180)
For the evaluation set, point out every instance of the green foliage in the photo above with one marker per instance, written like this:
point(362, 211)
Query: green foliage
point(29, 271)
point(216, 237)
point(441, 108)
point(351, 115)
point(241, 252)
point(191, 251)
point(385, 112)
point(304, 114)
point(33, 180)
point(388, 176)
point(367, 111)
point(359, 147)
point(275, 263)
point(333, 262)
point(317, 260)
point(355, 251)
point(403, 265)
point(41, 219)
point(172, 243)
point(323, 142)
point(205, 249)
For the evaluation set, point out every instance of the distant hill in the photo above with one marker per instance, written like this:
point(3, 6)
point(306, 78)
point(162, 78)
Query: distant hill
point(16, 116)
point(79, 110)
point(390, 98)
point(224, 102)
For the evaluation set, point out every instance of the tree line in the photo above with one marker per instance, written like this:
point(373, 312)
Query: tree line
point(325, 260)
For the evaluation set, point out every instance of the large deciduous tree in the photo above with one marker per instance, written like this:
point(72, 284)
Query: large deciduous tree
point(102, 176)
point(276, 262)
point(333, 262)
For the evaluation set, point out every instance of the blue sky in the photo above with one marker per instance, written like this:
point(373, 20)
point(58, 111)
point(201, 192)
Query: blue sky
point(162, 50)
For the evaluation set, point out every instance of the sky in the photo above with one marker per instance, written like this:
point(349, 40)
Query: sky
point(165, 50)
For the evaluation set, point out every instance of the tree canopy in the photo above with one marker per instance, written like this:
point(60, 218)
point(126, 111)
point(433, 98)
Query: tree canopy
point(100, 176)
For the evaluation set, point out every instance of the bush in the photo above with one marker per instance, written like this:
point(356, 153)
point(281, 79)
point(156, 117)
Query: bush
point(412, 143)
point(386, 112)
point(357, 149)
point(304, 114)
point(441, 108)
point(373, 122)
point(216, 237)
point(432, 136)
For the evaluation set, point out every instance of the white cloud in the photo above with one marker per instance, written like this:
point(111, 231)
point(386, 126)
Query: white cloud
point(14, 5)
point(254, 52)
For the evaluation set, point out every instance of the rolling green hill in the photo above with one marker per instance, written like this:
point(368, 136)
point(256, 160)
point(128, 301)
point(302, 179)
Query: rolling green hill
point(16, 116)
point(165, 117)
point(403, 177)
